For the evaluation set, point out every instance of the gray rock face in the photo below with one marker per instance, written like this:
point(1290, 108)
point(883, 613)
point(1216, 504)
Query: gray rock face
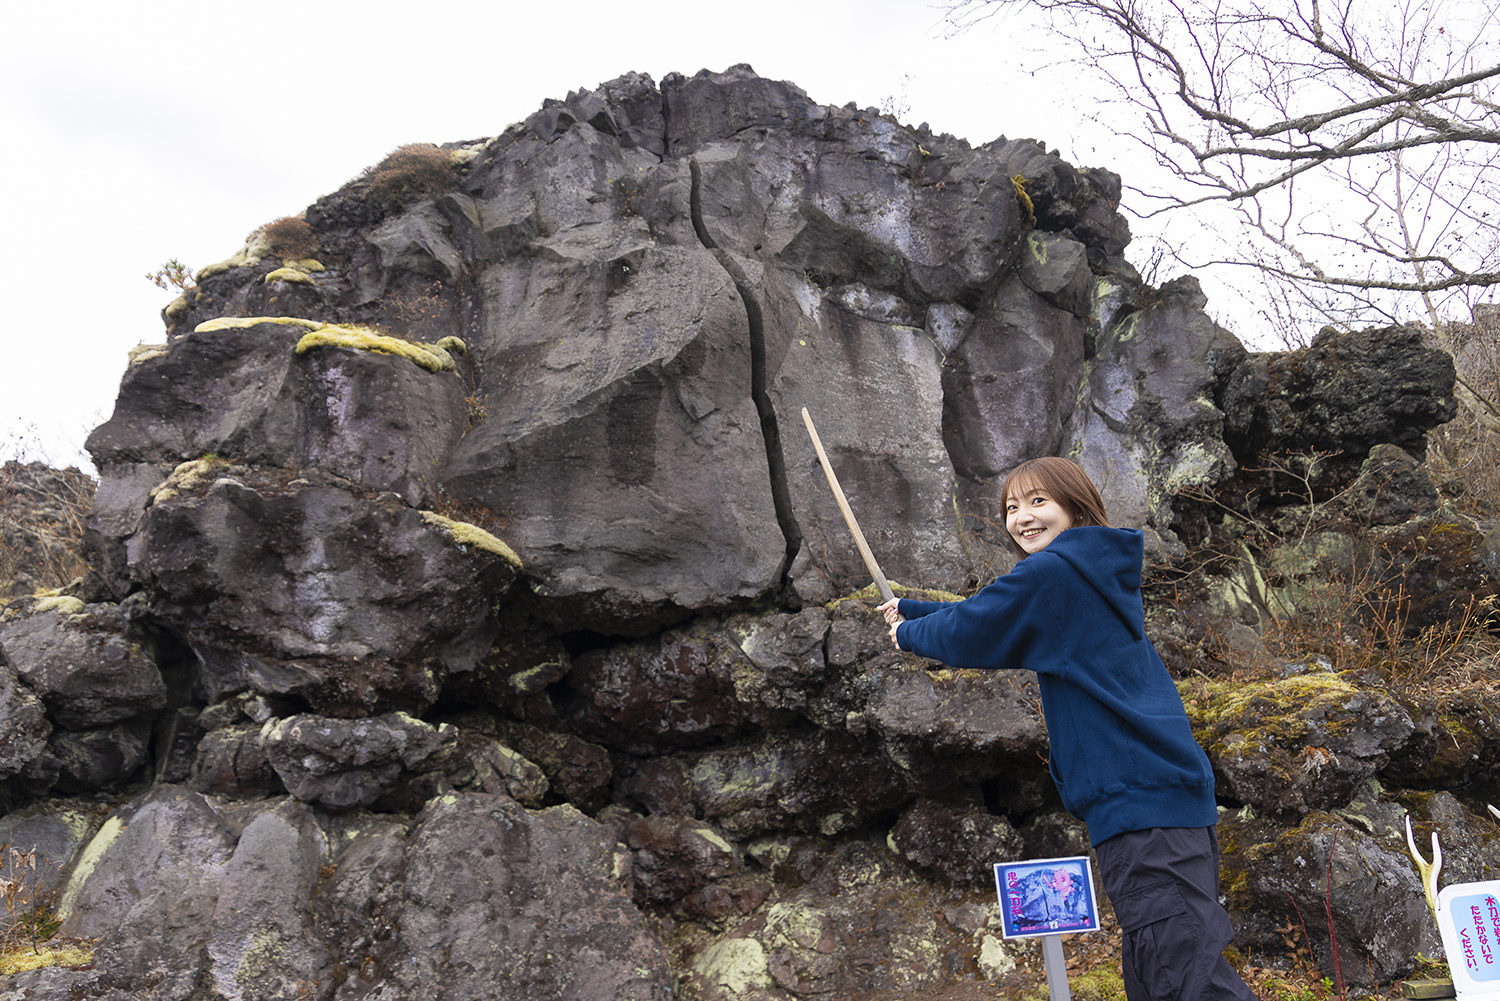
point(23, 723)
point(149, 895)
point(89, 668)
point(289, 585)
point(492, 901)
point(266, 901)
point(341, 764)
point(244, 394)
point(265, 944)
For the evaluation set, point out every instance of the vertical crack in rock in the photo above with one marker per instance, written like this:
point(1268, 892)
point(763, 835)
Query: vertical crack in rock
point(781, 495)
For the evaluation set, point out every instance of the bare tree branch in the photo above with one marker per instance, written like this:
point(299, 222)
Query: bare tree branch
point(1357, 146)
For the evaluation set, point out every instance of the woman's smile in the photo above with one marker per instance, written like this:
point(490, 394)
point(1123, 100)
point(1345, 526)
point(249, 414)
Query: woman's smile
point(1034, 519)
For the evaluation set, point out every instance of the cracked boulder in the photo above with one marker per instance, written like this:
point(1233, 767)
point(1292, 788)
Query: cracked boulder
point(342, 764)
point(90, 668)
point(286, 584)
point(697, 686)
point(1343, 394)
point(241, 393)
point(1351, 889)
point(487, 899)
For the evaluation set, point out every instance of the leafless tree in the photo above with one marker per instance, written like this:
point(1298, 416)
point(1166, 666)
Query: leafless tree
point(1353, 146)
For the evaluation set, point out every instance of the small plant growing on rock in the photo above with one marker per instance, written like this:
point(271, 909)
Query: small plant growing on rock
point(30, 922)
point(288, 237)
point(173, 276)
point(407, 173)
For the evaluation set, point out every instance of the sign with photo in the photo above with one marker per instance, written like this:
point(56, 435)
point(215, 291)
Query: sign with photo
point(1046, 897)
point(1469, 920)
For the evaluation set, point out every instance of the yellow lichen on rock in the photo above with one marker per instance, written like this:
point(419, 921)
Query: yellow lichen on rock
point(429, 356)
point(453, 344)
point(144, 352)
point(88, 860)
point(308, 264)
point(736, 965)
point(250, 254)
point(236, 322)
point(464, 534)
point(63, 604)
point(23, 957)
point(292, 275)
point(187, 477)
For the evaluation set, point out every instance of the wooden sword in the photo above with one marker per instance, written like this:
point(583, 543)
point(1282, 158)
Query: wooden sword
point(838, 495)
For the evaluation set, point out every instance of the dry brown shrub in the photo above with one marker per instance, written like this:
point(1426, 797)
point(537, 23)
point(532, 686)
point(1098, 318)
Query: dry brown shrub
point(407, 173)
point(1464, 454)
point(42, 516)
point(1362, 624)
point(288, 237)
point(1352, 610)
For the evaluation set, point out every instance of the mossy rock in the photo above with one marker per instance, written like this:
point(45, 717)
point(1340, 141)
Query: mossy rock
point(292, 275)
point(461, 533)
point(429, 356)
point(1295, 744)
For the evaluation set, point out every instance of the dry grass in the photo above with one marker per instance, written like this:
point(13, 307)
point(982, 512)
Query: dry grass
point(29, 923)
point(1361, 622)
point(1464, 454)
point(42, 515)
point(407, 173)
point(288, 237)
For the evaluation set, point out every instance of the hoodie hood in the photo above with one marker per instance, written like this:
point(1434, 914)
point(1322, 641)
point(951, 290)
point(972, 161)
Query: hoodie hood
point(1109, 560)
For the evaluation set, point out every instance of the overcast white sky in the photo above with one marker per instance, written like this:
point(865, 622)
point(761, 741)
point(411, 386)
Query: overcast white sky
point(141, 131)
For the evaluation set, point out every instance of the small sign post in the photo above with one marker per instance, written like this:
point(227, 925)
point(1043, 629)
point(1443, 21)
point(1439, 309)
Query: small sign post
point(1043, 898)
point(1468, 916)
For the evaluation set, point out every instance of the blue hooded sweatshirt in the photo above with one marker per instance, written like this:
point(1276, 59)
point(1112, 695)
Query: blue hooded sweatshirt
point(1122, 753)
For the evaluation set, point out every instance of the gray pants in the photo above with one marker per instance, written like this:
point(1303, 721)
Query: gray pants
point(1164, 886)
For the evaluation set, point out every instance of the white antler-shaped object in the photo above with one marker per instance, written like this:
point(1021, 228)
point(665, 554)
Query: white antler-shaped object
point(1429, 870)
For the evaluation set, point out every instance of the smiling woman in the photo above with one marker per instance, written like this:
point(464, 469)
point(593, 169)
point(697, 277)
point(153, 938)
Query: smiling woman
point(1043, 498)
point(1122, 753)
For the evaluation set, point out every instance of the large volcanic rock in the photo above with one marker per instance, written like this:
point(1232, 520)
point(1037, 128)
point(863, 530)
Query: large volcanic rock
point(473, 619)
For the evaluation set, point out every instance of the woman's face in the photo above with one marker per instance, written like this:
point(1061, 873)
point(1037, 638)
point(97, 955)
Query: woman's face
point(1034, 518)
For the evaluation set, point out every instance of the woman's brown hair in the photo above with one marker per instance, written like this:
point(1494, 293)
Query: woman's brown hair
point(1063, 481)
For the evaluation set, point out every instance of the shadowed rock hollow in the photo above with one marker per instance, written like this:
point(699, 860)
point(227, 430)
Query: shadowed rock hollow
point(521, 655)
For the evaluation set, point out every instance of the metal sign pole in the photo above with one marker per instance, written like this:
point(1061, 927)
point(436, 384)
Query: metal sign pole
point(1057, 970)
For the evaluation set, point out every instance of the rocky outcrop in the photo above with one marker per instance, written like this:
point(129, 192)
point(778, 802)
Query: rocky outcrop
point(471, 617)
